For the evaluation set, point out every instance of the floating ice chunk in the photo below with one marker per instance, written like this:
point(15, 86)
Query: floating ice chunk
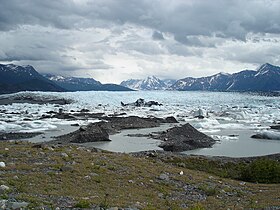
point(198, 113)
point(37, 126)
point(273, 135)
point(6, 127)
point(224, 138)
point(233, 126)
point(207, 131)
point(207, 124)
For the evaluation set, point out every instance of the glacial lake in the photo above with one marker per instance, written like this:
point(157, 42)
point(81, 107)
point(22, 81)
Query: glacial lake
point(230, 117)
point(240, 145)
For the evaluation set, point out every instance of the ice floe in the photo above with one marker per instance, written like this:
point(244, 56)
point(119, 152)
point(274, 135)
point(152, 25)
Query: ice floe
point(267, 134)
point(220, 111)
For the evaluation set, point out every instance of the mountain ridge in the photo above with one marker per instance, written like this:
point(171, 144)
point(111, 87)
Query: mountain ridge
point(149, 83)
point(15, 78)
point(83, 84)
point(264, 78)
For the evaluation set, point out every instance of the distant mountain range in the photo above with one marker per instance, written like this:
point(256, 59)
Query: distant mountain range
point(265, 78)
point(15, 78)
point(150, 83)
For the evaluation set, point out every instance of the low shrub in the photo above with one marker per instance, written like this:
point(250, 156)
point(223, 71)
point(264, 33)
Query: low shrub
point(84, 204)
point(261, 171)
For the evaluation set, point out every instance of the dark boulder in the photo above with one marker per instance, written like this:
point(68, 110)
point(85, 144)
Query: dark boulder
point(116, 124)
point(170, 120)
point(275, 127)
point(182, 138)
point(91, 133)
point(141, 103)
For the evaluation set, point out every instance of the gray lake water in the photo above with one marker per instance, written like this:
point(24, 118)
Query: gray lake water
point(241, 145)
point(121, 142)
point(50, 134)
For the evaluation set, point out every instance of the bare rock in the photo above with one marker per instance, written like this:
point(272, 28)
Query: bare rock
point(184, 138)
point(100, 131)
point(164, 177)
point(275, 127)
point(91, 133)
point(142, 103)
point(66, 168)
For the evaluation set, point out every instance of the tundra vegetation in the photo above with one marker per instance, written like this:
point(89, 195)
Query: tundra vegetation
point(75, 177)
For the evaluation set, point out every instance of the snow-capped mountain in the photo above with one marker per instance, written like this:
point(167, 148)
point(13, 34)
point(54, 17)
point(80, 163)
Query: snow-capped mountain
point(14, 78)
point(265, 78)
point(83, 84)
point(150, 83)
point(215, 82)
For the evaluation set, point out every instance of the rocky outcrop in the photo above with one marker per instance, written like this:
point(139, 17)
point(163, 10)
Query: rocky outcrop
point(183, 138)
point(116, 124)
point(100, 131)
point(91, 133)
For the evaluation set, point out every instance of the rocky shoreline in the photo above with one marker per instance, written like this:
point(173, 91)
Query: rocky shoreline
point(176, 139)
point(100, 131)
point(18, 135)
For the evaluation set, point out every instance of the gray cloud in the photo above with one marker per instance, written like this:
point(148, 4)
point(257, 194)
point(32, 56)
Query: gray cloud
point(116, 36)
point(157, 35)
point(182, 18)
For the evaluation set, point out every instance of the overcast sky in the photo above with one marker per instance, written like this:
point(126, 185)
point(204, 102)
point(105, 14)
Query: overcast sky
point(114, 40)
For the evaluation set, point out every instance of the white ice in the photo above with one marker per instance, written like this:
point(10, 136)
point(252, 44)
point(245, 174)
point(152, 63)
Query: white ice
point(222, 111)
point(266, 134)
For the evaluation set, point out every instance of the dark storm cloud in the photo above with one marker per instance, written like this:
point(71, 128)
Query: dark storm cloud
point(233, 18)
point(60, 14)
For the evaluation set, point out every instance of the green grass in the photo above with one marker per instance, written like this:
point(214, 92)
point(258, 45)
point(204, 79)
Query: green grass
point(83, 204)
point(110, 179)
